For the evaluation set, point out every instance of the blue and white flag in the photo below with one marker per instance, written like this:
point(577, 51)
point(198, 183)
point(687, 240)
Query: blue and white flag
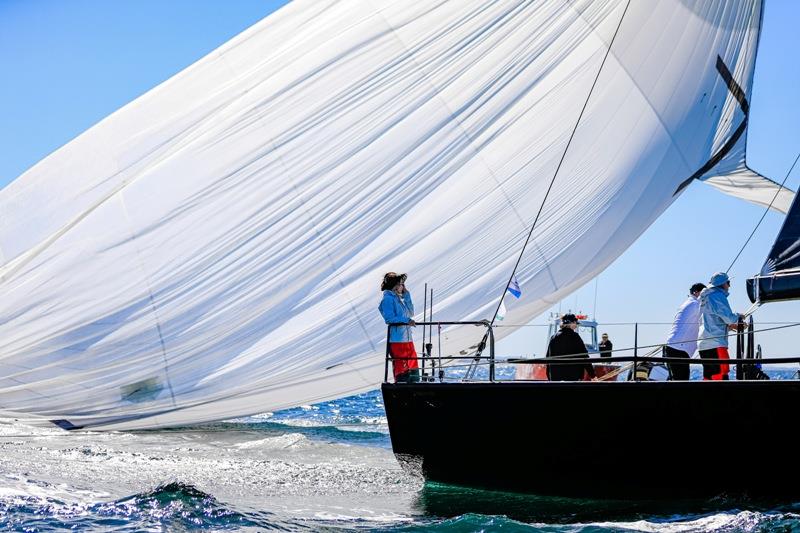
point(513, 287)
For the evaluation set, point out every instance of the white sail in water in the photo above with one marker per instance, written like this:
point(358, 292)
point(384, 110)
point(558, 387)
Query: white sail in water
point(215, 248)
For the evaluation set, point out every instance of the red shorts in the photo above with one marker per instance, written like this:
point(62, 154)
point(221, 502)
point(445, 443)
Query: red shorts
point(715, 371)
point(404, 357)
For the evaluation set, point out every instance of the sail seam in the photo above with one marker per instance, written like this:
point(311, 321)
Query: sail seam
point(328, 255)
point(716, 158)
point(740, 95)
point(151, 300)
point(455, 116)
point(561, 161)
point(642, 93)
point(755, 58)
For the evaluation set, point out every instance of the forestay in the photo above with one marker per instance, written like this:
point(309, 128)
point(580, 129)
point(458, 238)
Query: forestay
point(215, 247)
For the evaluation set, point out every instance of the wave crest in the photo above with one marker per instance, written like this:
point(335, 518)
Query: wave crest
point(174, 504)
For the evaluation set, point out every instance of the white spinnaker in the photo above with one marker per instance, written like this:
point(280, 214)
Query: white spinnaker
point(214, 248)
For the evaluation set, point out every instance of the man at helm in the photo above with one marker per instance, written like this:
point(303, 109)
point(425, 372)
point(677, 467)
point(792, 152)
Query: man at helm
point(717, 319)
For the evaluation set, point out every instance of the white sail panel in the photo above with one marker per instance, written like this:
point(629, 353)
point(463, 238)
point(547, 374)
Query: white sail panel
point(215, 248)
point(748, 185)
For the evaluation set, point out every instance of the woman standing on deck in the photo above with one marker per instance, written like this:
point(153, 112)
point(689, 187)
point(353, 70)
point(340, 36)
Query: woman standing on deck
point(397, 307)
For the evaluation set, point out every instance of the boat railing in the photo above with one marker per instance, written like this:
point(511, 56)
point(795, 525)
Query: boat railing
point(427, 356)
point(429, 364)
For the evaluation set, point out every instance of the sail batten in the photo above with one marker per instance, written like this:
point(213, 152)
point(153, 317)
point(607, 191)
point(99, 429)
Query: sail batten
point(214, 248)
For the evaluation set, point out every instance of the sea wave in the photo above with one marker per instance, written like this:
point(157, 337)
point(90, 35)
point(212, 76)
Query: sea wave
point(170, 506)
point(745, 521)
point(286, 440)
point(734, 521)
point(362, 434)
point(175, 504)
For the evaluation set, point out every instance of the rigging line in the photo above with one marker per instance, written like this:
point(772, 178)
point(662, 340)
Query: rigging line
point(499, 326)
point(561, 161)
point(655, 347)
point(765, 212)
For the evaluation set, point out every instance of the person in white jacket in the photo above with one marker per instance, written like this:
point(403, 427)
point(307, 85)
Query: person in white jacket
point(682, 339)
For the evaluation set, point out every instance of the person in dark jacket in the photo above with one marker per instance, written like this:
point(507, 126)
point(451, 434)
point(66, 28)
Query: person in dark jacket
point(606, 346)
point(568, 344)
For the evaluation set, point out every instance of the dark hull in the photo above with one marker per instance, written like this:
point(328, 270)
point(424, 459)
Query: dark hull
point(617, 439)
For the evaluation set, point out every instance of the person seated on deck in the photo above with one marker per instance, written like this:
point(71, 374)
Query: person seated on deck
point(568, 344)
point(606, 346)
point(397, 307)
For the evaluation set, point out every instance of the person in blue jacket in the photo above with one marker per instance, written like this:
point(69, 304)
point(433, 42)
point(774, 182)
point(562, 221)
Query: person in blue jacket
point(717, 319)
point(396, 307)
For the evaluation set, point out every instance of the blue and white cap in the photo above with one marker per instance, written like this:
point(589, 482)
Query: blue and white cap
point(718, 279)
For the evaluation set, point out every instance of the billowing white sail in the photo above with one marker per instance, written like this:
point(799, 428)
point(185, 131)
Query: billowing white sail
point(215, 248)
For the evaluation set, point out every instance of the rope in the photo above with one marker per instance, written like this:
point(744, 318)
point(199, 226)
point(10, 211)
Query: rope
point(658, 346)
point(558, 168)
point(613, 374)
point(623, 368)
point(752, 309)
point(765, 212)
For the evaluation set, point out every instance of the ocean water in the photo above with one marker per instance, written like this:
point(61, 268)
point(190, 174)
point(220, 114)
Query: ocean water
point(325, 467)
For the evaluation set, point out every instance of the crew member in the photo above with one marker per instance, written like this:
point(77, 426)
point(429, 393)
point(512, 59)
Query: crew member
point(396, 307)
point(682, 339)
point(568, 344)
point(717, 319)
point(606, 346)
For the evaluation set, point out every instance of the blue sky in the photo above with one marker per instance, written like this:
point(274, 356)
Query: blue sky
point(66, 65)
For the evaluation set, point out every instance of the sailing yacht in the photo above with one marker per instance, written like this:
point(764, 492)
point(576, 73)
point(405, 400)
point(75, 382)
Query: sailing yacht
point(213, 249)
